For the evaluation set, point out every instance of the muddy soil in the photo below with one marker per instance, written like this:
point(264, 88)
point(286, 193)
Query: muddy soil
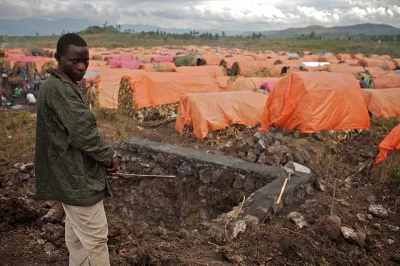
point(31, 233)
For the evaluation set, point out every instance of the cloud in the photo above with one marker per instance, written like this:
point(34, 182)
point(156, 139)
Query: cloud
point(236, 15)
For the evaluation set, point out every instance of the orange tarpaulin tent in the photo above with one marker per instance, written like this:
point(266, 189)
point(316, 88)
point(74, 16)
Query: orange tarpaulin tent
point(383, 103)
point(312, 102)
point(249, 66)
point(223, 82)
point(344, 68)
point(385, 79)
point(162, 66)
point(390, 143)
point(246, 84)
point(215, 71)
point(213, 111)
point(109, 85)
point(212, 58)
point(157, 88)
point(377, 62)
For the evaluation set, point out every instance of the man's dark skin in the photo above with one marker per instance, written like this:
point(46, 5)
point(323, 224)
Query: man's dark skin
point(74, 64)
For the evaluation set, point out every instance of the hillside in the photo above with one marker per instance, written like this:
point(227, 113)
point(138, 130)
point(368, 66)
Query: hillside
point(360, 29)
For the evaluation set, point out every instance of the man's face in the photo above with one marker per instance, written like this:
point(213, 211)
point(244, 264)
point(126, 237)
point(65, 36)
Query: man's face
point(74, 62)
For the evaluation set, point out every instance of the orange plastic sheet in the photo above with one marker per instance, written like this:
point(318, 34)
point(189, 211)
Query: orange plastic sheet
point(378, 62)
point(246, 67)
point(215, 71)
point(213, 111)
point(385, 79)
point(383, 103)
point(110, 79)
point(344, 68)
point(157, 88)
point(276, 70)
point(312, 102)
point(165, 65)
point(390, 143)
point(223, 82)
point(212, 58)
point(344, 57)
point(248, 84)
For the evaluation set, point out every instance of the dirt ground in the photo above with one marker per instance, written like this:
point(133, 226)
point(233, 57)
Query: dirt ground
point(31, 233)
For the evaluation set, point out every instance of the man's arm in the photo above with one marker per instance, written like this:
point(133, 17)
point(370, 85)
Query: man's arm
point(80, 125)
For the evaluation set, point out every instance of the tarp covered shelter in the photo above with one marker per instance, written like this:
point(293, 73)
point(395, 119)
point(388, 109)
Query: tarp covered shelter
point(213, 111)
point(157, 88)
point(246, 84)
point(344, 68)
point(390, 143)
point(161, 59)
point(158, 67)
point(214, 70)
point(212, 58)
point(383, 103)
point(312, 102)
point(385, 79)
point(249, 66)
point(109, 86)
point(189, 60)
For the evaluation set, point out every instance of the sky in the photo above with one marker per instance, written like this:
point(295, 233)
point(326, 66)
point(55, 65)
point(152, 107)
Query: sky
point(244, 15)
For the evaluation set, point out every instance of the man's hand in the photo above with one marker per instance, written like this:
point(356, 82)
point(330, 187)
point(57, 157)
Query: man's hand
point(114, 167)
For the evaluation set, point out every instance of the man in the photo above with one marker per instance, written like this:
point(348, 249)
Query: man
point(24, 74)
point(92, 95)
point(36, 80)
point(363, 83)
point(71, 159)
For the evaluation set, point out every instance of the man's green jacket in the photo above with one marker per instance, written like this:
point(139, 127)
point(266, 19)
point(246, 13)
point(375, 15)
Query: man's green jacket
point(70, 155)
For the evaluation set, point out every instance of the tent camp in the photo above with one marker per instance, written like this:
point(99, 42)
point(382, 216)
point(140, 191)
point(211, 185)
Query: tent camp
point(312, 102)
point(213, 111)
point(383, 103)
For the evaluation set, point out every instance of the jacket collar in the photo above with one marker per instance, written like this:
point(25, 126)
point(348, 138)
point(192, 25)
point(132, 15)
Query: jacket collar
point(58, 74)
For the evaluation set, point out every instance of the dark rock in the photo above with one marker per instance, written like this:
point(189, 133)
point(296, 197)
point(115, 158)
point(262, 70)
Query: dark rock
point(251, 157)
point(241, 154)
point(262, 159)
point(279, 137)
point(205, 176)
point(368, 153)
point(23, 176)
point(298, 158)
point(185, 170)
point(305, 155)
point(319, 136)
point(268, 140)
point(371, 199)
point(330, 225)
point(276, 159)
point(238, 182)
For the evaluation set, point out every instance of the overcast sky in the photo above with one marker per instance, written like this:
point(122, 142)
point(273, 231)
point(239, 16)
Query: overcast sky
point(246, 15)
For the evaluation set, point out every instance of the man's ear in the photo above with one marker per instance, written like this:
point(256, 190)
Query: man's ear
point(57, 57)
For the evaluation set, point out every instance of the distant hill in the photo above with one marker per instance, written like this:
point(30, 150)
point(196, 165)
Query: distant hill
point(360, 29)
point(34, 26)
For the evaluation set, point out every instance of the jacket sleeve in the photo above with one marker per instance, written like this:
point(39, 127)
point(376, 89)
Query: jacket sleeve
point(80, 124)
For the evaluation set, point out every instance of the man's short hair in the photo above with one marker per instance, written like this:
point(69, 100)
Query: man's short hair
point(69, 39)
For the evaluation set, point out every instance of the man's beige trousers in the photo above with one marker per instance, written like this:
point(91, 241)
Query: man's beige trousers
point(86, 232)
